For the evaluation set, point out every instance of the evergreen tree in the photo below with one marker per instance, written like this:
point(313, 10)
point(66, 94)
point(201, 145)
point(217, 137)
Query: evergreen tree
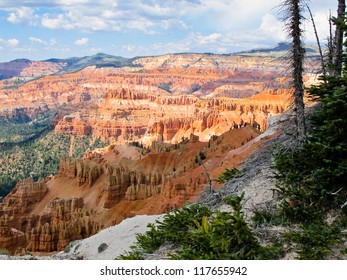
point(338, 40)
point(292, 10)
point(313, 177)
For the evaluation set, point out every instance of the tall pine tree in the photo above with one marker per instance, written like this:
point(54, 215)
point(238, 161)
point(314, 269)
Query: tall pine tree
point(292, 10)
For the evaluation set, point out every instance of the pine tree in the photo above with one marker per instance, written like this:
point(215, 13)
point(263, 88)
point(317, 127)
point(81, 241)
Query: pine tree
point(292, 10)
point(338, 40)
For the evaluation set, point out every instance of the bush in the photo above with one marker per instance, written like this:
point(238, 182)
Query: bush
point(312, 177)
point(204, 234)
point(227, 175)
point(314, 241)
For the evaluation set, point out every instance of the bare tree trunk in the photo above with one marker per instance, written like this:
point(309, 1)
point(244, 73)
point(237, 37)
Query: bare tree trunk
point(294, 17)
point(330, 53)
point(338, 42)
point(318, 42)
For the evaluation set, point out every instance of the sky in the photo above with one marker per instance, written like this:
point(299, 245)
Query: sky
point(40, 30)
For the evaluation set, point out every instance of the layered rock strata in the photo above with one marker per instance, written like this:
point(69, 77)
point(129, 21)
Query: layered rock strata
point(105, 188)
point(62, 220)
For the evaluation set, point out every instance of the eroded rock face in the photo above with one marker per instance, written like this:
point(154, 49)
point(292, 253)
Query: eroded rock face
point(62, 220)
point(168, 104)
point(124, 103)
point(103, 189)
point(120, 182)
point(24, 196)
point(148, 118)
point(15, 210)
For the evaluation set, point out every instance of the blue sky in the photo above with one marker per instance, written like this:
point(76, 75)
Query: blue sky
point(45, 29)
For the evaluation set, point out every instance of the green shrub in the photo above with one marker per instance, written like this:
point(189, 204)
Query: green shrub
point(268, 216)
point(314, 241)
point(204, 234)
point(227, 175)
point(312, 177)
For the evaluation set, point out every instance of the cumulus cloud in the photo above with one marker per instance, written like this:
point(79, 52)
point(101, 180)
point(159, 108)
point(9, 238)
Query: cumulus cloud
point(173, 24)
point(220, 26)
point(23, 15)
point(107, 15)
point(115, 15)
point(271, 28)
point(53, 41)
point(321, 19)
point(13, 42)
point(82, 42)
point(39, 41)
point(59, 21)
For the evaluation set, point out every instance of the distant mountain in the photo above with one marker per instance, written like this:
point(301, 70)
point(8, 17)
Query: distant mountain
point(27, 69)
point(281, 49)
point(75, 64)
point(13, 68)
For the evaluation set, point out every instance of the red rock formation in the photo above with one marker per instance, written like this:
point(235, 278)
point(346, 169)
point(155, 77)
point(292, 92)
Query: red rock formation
point(131, 117)
point(89, 194)
point(28, 69)
point(123, 97)
point(63, 220)
point(160, 105)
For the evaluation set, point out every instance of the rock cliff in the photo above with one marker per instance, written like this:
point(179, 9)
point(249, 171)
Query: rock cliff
point(107, 187)
point(160, 116)
point(120, 94)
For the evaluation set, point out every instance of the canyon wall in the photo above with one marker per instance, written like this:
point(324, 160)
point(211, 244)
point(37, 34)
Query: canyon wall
point(93, 193)
point(159, 116)
point(153, 84)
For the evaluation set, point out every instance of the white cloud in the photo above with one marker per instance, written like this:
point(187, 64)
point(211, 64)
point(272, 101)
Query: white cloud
point(271, 28)
point(12, 42)
point(321, 19)
point(23, 15)
point(57, 22)
point(173, 24)
point(95, 50)
point(140, 24)
point(208, 39)
point(129, 48)
point(25, 50)
point(220, 26)
point(53, 42)
point(39, 41)
point(82, 42)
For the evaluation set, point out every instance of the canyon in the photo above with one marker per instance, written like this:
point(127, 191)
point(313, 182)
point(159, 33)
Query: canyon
point(174, 123)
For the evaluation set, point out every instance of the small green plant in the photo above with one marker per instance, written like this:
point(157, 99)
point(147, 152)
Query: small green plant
point(204, 234)
point(227, 175)
point(173, 228)
point(268, 216)
point(102, 247)
point(314, 241)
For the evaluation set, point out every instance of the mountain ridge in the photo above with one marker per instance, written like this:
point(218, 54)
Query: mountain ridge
point(74, 64)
